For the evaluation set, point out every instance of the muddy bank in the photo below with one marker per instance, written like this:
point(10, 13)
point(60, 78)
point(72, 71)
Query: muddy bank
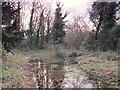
point(47, 75)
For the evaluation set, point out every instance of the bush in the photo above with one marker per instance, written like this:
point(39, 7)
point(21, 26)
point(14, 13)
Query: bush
point(26, 43)
point(75, 53)
point(61, 53)
point(100, 44)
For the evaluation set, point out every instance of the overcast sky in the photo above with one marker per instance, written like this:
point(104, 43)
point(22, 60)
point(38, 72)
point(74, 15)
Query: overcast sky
point(75, 7)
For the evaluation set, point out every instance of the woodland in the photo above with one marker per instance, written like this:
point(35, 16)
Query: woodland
point(42, 48)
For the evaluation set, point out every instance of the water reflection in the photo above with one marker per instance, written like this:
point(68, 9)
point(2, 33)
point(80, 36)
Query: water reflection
point(48, 75)
point(58, 75)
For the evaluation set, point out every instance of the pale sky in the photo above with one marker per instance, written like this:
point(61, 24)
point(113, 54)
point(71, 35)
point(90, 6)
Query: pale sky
point(75, 7)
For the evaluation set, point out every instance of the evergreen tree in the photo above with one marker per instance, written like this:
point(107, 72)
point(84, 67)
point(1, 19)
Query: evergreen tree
point(10, 33)
point(103, 15)
point(58, 26)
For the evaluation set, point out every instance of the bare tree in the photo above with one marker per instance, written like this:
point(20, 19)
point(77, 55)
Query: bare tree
point(76, 32)
point(30, 26)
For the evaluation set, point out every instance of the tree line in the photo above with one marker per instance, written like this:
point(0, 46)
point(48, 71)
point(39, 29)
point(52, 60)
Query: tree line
point(46, 27)
point(106, 34)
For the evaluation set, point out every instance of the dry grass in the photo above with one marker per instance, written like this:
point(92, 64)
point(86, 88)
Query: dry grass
point(47, 56)
point(106, 69)
point(15, 70)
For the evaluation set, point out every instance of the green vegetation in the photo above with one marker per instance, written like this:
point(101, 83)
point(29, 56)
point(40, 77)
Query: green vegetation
point(88, 47)
point(13, 73)
point(106, 35)
point(58, 27)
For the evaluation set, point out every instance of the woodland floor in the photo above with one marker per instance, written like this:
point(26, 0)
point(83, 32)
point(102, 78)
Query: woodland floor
point(91, 68)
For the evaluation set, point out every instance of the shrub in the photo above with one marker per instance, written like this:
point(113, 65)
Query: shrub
point(75, 53)
point(61, 53)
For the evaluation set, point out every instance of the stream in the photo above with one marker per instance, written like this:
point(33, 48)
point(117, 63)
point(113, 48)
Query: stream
point(66, 76)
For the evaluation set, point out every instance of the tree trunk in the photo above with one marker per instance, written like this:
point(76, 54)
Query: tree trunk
point(18, 18)
point(42, 30)
point(98, 27)
point(48, 30)
point(30, 27)
point(42, 36)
